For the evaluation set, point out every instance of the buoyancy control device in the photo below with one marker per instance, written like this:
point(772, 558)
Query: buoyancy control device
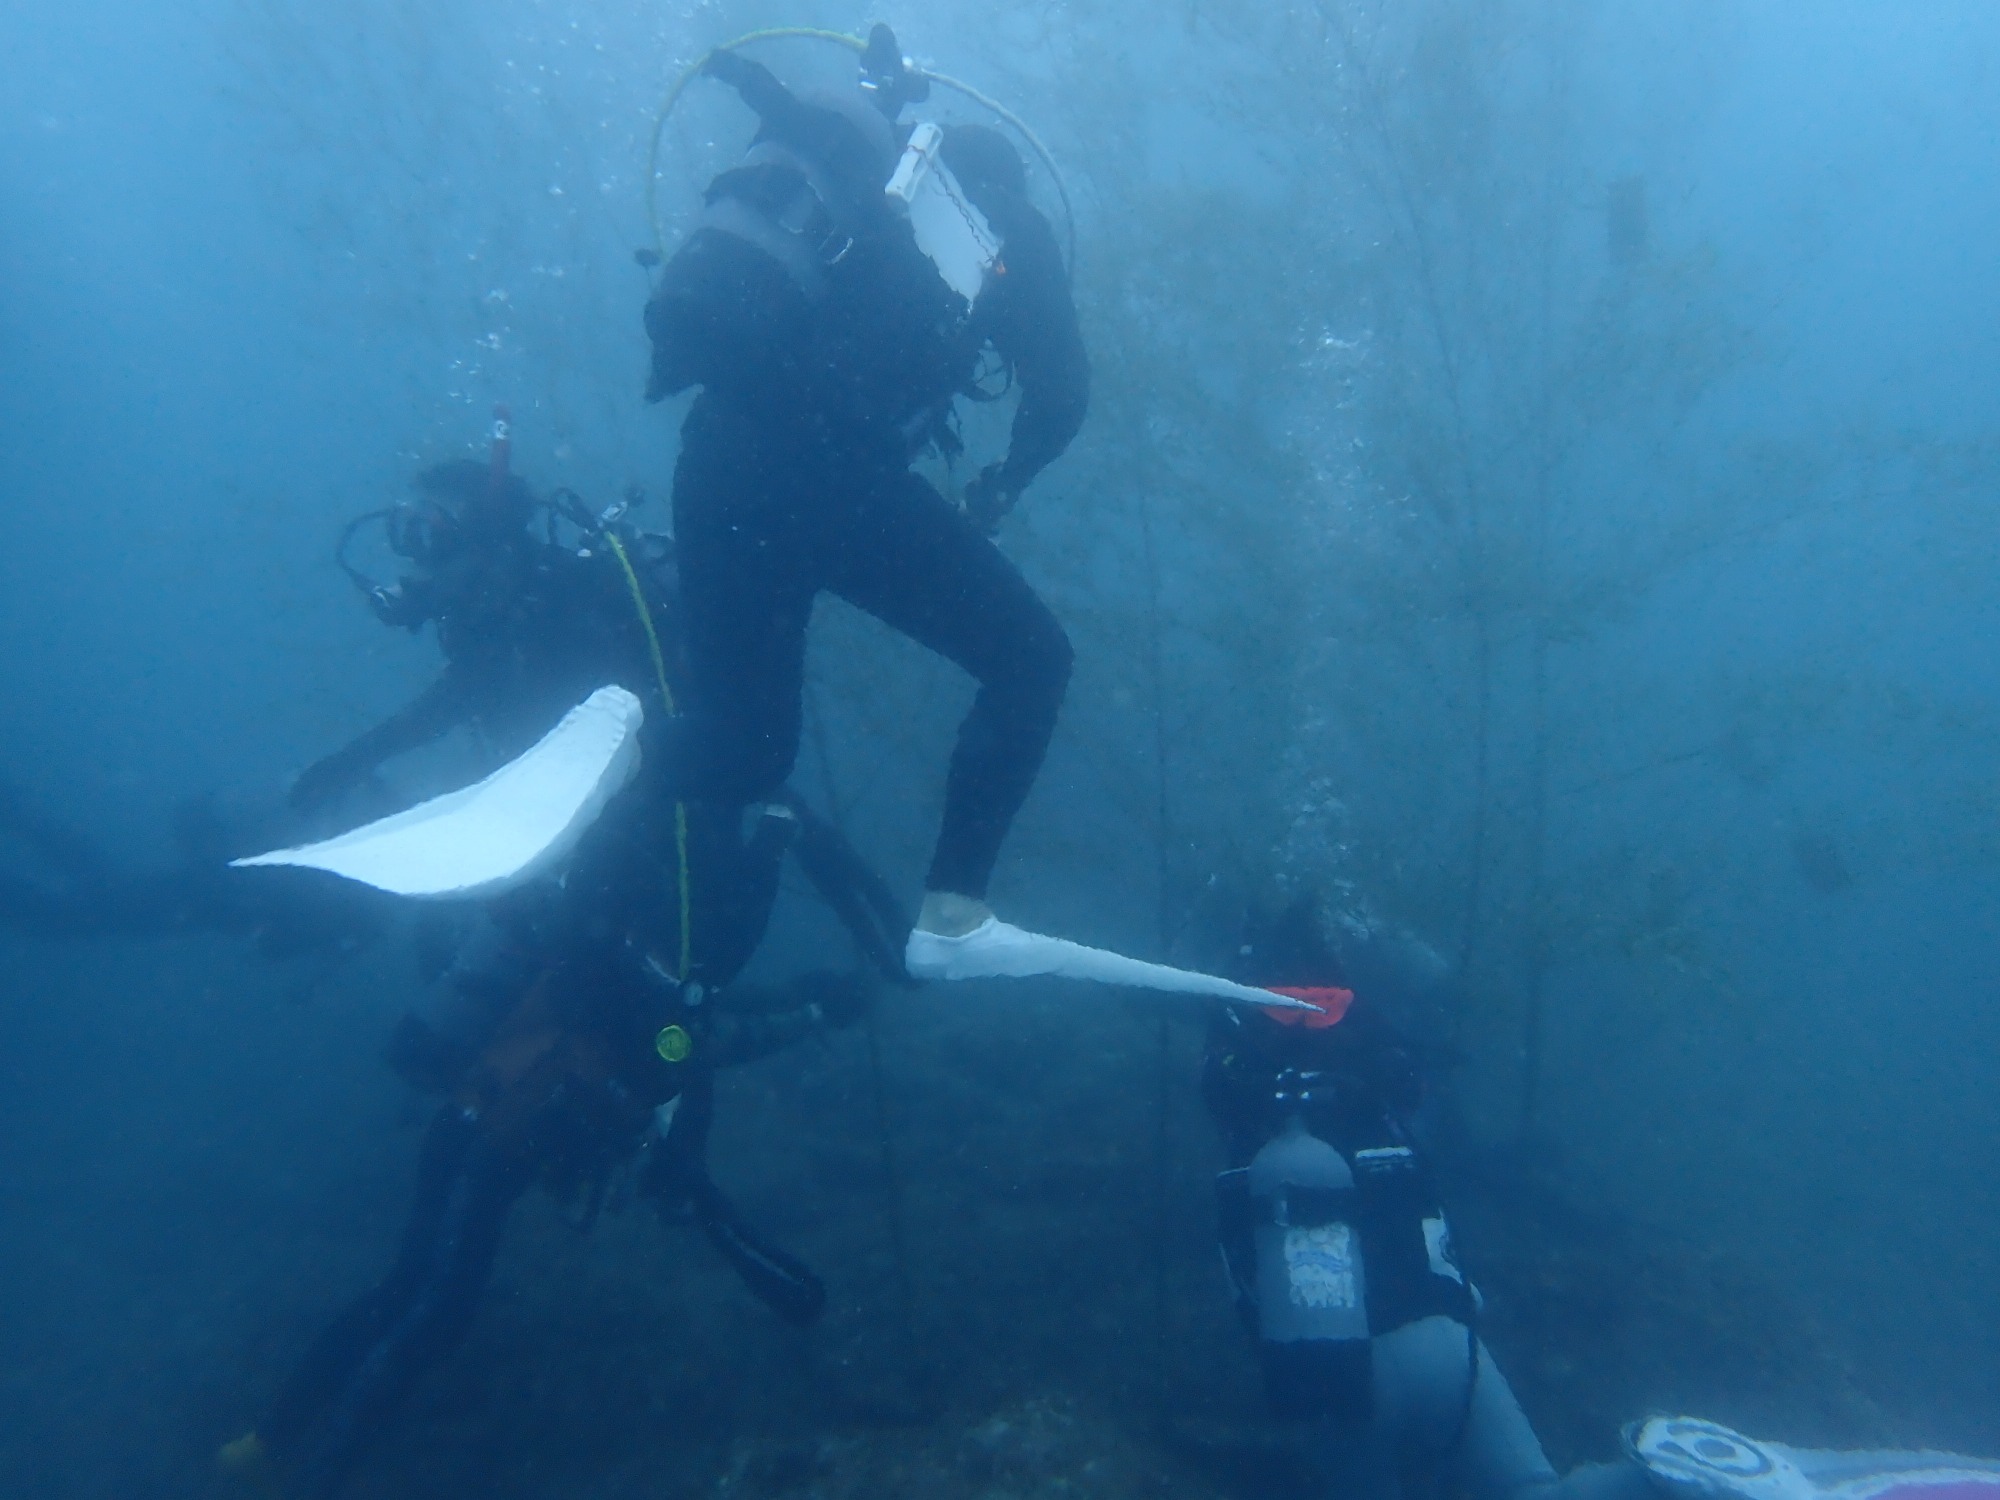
point(1310, 1283)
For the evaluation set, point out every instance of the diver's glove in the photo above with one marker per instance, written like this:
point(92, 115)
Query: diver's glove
point(731, 67)
point(990, 497)
point(757, 85)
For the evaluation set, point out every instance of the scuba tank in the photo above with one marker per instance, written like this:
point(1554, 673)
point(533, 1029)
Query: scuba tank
point(1310, 1284)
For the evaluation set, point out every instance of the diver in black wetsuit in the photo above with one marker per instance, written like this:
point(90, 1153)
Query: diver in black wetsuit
point(581, 1026)
point(1338, 1251)
point(829, 349)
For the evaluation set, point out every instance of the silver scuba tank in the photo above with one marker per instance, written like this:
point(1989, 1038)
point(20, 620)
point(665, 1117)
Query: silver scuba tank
point(1311, 1284)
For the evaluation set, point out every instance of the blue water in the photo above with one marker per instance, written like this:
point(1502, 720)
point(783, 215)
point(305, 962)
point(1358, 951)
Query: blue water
point(1615, 622)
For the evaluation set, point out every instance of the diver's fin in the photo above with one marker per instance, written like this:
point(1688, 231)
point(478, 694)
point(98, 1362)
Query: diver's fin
point(780, 1281)
point(498, 833)
point(1692, 1459)
point(997, 950)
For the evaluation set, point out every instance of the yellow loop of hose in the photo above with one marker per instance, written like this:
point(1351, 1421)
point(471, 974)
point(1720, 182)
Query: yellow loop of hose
point(853, 44)
point(638, 592)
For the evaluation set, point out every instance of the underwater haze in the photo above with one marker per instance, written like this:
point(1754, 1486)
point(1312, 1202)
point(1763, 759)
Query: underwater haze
point(1540, 497)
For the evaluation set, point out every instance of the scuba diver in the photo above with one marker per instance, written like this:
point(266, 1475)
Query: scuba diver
point(578, 1030)
point(1339, 1254)
point(842, 286)
point(527, 627)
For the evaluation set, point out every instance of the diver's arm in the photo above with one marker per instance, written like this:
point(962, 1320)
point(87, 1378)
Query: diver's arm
point(821, 133)
point(723, 315)
point(1034, 326)
point(780, 110)
point(441, 706)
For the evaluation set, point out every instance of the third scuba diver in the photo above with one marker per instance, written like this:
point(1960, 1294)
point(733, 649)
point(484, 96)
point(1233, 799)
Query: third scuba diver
point(1339, 1254)
point(830, 324)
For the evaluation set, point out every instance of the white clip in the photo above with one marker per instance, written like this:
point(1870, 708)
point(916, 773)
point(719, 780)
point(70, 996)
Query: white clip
point(918, 158)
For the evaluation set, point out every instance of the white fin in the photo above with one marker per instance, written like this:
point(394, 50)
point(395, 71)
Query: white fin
point(498, 833)
point(996, 950)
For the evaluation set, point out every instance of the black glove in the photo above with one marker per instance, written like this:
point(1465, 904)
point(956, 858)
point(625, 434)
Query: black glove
point(731, 67)
point(989, 497)
point(757, 86)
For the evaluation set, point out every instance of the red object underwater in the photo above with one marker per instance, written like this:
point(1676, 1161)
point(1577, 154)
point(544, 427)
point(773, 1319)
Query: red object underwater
point(1329, 1006)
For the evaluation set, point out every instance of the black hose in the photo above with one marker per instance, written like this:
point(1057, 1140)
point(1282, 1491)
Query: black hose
point(369, 587)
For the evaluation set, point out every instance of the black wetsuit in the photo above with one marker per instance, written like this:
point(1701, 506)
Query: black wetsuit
point(565, 1023)
point(820, 383)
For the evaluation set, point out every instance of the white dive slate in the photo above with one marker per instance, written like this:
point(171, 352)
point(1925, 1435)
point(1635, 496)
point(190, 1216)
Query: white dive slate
point(498, 833)
point(996, 950)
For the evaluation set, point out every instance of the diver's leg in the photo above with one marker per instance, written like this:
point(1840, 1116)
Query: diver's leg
point(746, 598)
point(1480, 1436)
point(1498, 1456)
point(677, 1181)
point(733, 884)
point(450, 1270)
point(332, 1358)
point(908, 557)
point(780, 1281)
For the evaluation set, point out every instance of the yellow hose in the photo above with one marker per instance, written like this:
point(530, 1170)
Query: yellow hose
point(854, 44)
point(667, 696)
